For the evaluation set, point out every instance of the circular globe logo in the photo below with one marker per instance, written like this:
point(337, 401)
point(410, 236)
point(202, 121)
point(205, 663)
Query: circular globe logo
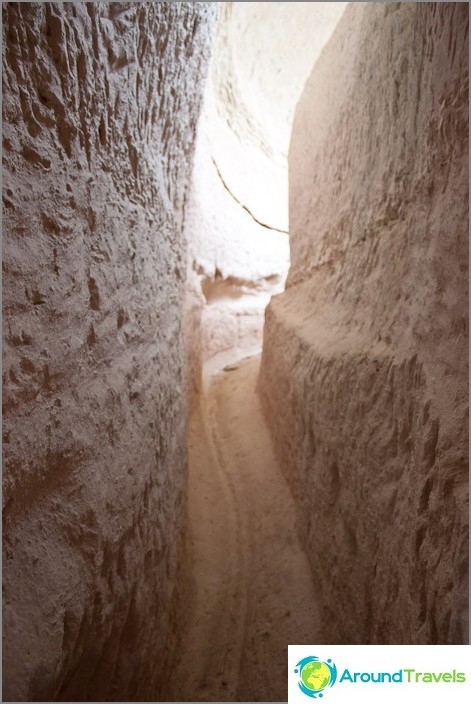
point(315, 675)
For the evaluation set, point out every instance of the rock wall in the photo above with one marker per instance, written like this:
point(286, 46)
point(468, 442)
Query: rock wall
point(234, 265)
point(237, 215)
point(364, 370)
point(100, 107)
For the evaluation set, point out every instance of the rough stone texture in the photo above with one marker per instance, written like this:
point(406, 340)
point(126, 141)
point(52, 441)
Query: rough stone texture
point(100, 107)
point(364, 372)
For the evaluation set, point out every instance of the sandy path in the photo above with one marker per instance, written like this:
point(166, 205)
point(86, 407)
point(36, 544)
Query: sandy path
point(252, 591)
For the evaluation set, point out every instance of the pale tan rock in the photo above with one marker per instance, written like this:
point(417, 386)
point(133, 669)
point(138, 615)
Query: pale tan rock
point(364, 371)
point(100, 109)
point(263, 53)
point(236, 219)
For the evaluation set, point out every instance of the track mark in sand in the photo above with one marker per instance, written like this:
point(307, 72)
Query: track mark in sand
point(252, 592)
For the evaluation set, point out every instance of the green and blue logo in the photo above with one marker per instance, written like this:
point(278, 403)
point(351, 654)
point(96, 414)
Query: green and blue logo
point(315, 675)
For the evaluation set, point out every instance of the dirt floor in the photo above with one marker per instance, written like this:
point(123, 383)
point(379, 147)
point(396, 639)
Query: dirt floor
point(252, 590)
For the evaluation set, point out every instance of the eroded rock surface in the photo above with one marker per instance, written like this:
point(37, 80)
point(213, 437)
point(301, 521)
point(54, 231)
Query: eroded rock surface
point(364, 372)
point(100, 108)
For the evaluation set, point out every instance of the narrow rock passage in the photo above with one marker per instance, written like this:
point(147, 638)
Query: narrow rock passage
point(252, 590)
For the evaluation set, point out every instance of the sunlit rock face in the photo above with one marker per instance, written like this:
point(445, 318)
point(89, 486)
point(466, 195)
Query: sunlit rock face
point(364, 370)
point(237, 217)
point(263, 54)
point(100, 110)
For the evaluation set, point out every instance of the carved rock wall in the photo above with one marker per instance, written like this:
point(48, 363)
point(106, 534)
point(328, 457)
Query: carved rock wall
point(364, 370)
point(100, 103)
